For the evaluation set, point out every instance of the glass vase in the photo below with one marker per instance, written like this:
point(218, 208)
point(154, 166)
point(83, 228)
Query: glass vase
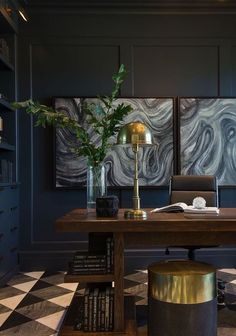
point(96, 184)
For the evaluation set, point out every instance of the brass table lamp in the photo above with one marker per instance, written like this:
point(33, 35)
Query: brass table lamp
point(135, 134)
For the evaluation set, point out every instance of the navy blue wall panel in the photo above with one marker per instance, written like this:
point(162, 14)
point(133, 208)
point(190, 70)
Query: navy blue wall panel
point(70, 54)
point(182, 68)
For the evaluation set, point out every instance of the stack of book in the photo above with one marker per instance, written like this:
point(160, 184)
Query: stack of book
point(98, 310)
point(110, 254)
point(84, 263)
point(94, 263)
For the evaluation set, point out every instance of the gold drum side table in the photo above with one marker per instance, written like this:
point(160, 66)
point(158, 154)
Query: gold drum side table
point(182, 299)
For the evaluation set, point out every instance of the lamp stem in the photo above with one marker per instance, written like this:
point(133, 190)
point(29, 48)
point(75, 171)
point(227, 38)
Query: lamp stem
point(136, 198)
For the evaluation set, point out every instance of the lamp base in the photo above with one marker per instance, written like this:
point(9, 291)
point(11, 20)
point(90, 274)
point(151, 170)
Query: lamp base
point(135, 213)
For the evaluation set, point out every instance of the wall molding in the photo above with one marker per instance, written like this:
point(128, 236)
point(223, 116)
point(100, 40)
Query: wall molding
point(134, 259)
point(134, 7)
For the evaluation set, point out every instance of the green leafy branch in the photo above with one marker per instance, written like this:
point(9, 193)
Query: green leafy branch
point(104, 117)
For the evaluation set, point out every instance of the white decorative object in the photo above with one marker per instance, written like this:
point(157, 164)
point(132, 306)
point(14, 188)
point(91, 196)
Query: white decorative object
point(199, 203)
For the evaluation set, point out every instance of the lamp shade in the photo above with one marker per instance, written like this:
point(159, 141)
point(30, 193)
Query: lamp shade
point(134, 133)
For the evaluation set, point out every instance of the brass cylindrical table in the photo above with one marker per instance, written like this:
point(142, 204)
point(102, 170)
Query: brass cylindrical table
point(182, 299)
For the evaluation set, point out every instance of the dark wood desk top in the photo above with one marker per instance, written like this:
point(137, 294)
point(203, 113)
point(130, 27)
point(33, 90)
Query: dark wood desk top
point(79, 221)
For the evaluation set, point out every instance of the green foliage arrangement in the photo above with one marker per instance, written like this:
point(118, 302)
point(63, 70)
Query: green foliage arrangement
point(104, 117)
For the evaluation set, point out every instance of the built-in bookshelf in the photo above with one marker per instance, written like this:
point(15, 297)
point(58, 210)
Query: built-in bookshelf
point(8, 93)
point(94, 262)
point(93, 312)
point(97, 311)
point(95, 267)
point(76, 306)
point(84, 278)
point(99, 229)
point(9, 184)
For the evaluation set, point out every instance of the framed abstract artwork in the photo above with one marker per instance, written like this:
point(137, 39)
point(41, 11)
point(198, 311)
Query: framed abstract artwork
point(155, 162)
point(208, 138)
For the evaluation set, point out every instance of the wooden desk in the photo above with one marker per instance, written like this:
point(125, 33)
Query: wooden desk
point(158, 229)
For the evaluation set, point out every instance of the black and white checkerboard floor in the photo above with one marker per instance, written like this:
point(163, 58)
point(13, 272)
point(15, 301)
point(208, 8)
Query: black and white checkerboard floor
point(35, 303)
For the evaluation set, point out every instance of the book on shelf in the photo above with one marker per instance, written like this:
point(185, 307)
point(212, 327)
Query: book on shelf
point(102, 321)
point(107, 295)
point(183, 207)
point(87, 256)
point(86, 271)
point(85, 262)
point(86, 313)
point(97, 242)
point(79, 321)
point(110, 254)
point(111, 309)
point(88, 266)
point(97, 310)
point(90, 311)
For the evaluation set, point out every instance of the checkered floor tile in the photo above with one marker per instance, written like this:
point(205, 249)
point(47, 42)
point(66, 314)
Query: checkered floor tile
point(35, 303)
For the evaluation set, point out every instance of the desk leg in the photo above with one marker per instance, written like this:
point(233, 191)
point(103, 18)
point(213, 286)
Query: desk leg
point(119, 281)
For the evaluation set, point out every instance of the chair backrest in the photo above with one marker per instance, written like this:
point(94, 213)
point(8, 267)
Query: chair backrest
point(184, 188)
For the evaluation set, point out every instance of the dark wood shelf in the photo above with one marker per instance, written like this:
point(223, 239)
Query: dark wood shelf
point(8, 138)
point(124, 321)
point(88, 278)
point(8, 184)
point(5, 65)
point(7, 147)
point(5, 105)
point(67, 328)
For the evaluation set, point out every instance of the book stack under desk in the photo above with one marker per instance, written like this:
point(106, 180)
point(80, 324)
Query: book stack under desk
point(90, 264)
point(96, 312)
point(73, 319)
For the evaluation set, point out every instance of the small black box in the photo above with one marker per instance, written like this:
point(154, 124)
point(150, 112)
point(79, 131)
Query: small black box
point(107, 206)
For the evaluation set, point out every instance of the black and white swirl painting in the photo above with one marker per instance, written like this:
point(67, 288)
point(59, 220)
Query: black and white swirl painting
point(208, 138)
point(155, 162)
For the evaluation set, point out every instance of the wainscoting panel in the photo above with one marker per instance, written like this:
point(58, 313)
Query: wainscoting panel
point(183, 68)
point(72, 68)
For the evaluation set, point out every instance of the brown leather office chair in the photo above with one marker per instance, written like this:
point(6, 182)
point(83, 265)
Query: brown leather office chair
point(184, 188)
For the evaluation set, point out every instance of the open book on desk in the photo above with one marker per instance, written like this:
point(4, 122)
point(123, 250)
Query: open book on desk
point(183, 207)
